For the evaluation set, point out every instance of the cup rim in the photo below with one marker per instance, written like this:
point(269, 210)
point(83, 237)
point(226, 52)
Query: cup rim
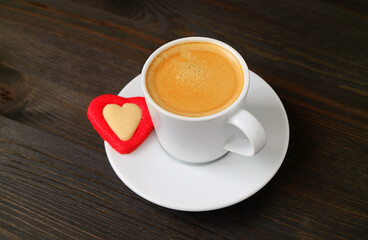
point(187, 40)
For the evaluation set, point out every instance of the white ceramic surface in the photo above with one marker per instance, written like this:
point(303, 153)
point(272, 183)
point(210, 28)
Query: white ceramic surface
point(204, 139)
point(155, 176)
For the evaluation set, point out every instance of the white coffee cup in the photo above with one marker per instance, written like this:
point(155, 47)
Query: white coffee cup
point(204, 139)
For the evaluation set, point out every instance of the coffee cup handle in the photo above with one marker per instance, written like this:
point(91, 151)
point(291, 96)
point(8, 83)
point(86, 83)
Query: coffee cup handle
point(255, 135)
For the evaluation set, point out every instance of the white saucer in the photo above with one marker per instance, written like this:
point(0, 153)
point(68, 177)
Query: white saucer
point(155, 176)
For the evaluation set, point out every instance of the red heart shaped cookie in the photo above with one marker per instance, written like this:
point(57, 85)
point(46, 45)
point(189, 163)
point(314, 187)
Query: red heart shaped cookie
point(123, 122)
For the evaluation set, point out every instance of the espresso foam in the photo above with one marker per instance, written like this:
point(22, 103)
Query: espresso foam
point(195, 79)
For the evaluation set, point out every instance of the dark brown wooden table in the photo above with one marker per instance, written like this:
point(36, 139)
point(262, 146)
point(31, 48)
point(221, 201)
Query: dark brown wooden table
point(56, 56)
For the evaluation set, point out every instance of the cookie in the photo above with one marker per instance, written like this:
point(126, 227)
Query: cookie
point(123, 122)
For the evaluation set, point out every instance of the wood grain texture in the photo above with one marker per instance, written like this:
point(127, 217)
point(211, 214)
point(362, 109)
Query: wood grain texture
point(56, 56)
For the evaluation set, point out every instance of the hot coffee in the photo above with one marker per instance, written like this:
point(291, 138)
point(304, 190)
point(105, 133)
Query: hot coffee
point(195, 79)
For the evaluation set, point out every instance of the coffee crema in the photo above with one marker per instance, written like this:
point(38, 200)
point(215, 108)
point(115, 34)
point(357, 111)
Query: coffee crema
point(195, 79)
